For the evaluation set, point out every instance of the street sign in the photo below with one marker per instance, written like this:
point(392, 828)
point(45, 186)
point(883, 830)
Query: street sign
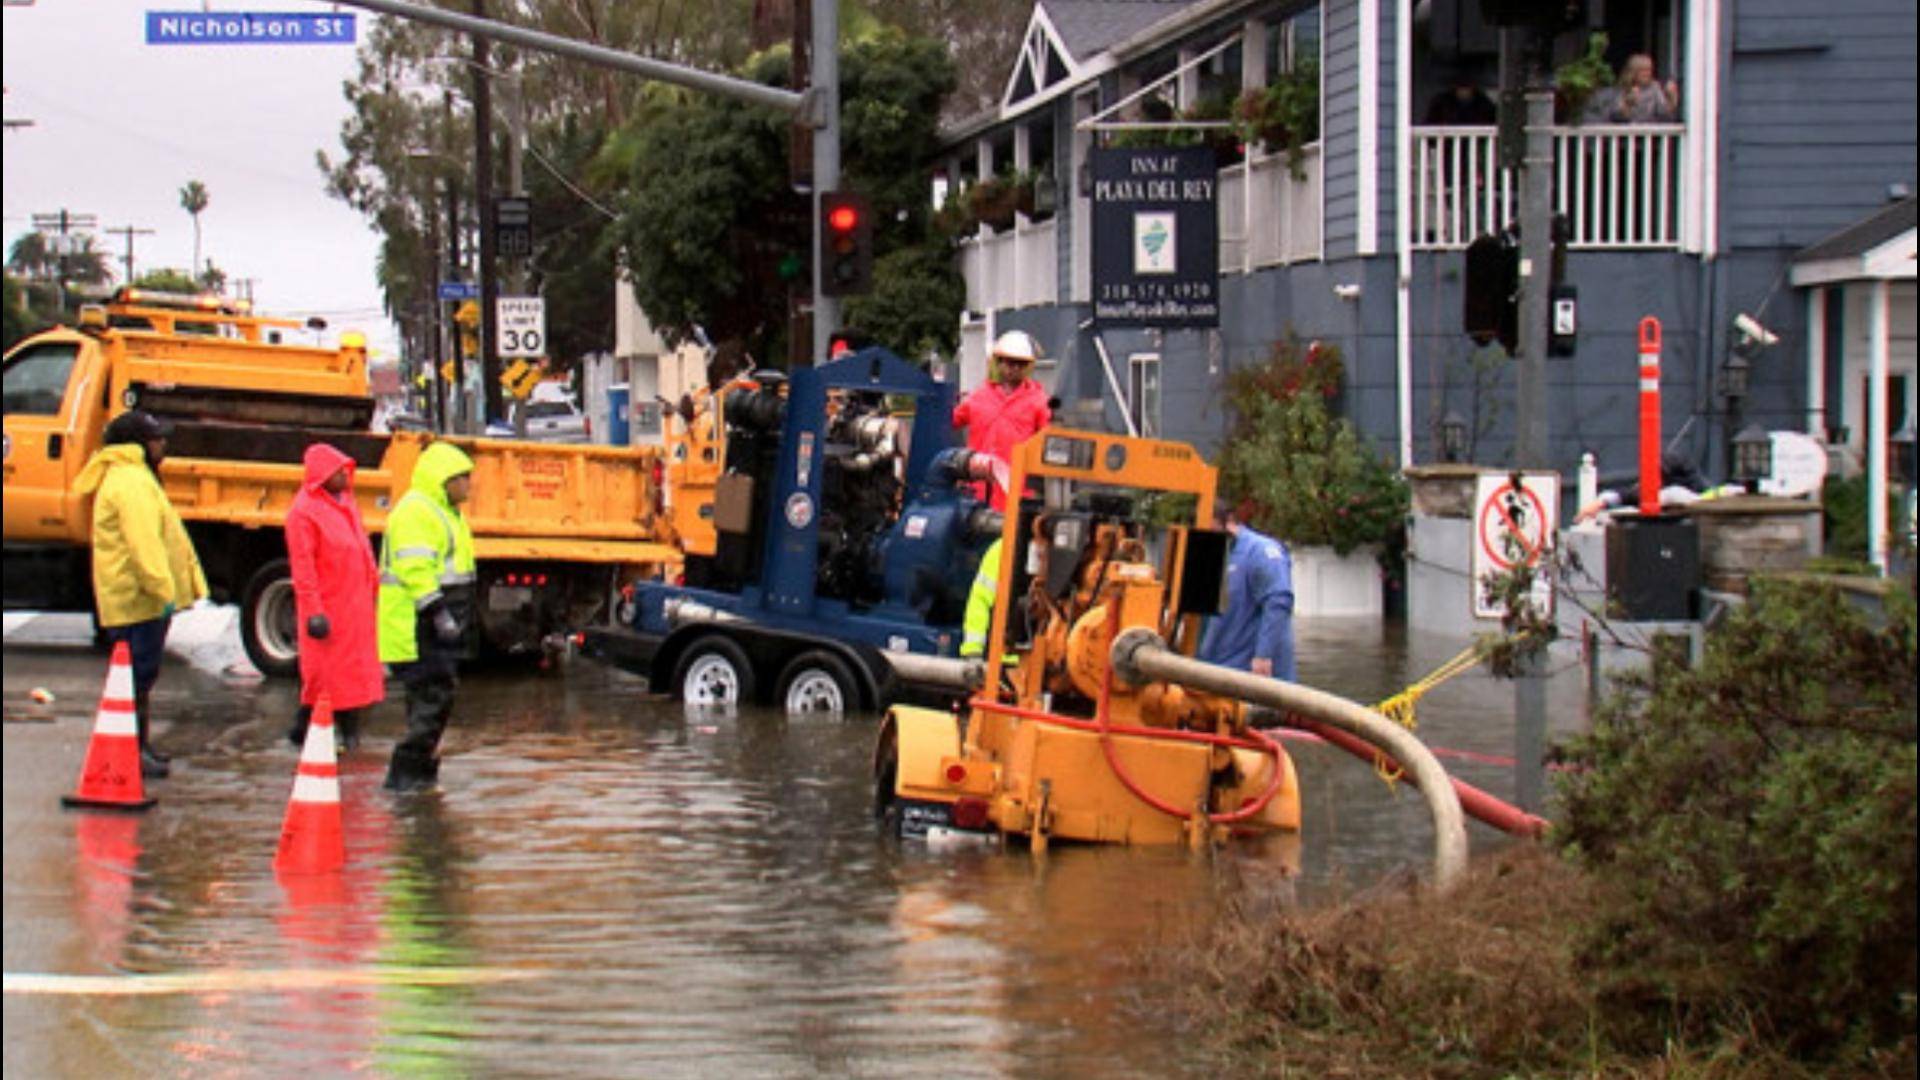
point(513, 226)
point(1156, 238)
point(455, 291)
point(520, 378)
point(522, 323)
point(1514, 526)
point(248, 28)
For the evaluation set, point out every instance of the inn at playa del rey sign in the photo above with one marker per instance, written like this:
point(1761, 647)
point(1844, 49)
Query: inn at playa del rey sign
point(1156, 237)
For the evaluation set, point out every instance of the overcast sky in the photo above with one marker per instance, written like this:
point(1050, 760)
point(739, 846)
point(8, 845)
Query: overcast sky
point(119, 126)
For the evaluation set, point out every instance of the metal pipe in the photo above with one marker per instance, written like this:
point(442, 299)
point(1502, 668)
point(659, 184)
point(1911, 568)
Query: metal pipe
point(960, 674)
point(1139, 655)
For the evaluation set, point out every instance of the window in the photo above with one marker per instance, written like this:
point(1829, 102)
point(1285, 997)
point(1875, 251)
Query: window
point(1143, 391)
point(1293, 42)
point(36, 380)
point(537, 410)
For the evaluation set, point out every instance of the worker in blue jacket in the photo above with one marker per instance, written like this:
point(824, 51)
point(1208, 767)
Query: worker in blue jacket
point(1255, 633)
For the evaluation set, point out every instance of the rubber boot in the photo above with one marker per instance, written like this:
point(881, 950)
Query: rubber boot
point(153, 763)
point(346, 727)
point(411, 770)
point(297, 734)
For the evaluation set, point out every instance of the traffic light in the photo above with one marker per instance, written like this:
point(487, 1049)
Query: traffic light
point(846, 244)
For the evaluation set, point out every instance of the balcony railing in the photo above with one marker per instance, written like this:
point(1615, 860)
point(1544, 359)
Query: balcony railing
point(1284, 211)
point(1619, 186)
point(1012, 269)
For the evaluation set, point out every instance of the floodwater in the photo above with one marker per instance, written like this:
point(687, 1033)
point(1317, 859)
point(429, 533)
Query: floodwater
point(605, 886)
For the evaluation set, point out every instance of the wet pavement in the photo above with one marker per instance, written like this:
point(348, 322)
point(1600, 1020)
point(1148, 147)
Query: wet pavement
point(605, 886)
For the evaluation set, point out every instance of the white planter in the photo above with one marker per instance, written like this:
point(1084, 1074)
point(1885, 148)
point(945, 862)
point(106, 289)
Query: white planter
point(1328, 584)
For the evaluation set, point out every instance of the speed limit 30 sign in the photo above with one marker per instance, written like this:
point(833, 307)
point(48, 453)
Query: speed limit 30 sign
point(522, 325)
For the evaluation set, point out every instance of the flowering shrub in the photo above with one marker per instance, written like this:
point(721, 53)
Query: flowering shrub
point(1297, 471)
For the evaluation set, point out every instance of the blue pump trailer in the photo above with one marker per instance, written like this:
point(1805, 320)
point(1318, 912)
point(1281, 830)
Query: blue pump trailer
point(844, 532)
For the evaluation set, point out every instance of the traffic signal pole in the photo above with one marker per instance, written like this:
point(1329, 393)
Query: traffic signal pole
point(489, 358)
point(825, 87)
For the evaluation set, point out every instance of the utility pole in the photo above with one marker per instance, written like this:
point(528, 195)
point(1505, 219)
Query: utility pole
point(483, 210)
point(64, 224)
point(824, 115)
point(129, 232)
point(1530, 448)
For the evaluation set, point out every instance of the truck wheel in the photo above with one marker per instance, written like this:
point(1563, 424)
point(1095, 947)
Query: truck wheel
point(267, 618)
point(818, 682)
point(714, 671)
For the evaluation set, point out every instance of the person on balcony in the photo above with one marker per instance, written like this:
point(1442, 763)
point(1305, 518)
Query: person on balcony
point(1462, 105)
point(1638, 98)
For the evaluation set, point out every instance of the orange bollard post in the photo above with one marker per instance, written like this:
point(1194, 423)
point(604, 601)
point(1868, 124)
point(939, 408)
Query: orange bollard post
point(311, 841)
point(1649, 416)
point(110, 776)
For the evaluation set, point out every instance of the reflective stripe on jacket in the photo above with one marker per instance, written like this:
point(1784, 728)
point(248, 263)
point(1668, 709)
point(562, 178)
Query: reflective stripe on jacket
point(428, 548)
point(143, 559)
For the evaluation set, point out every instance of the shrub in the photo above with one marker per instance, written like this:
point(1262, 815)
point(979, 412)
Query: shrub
point(1297, 471)
point(1752, 822)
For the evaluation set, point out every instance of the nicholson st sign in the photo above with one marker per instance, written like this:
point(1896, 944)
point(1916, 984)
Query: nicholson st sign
point(1156, 237)
point(248, 28)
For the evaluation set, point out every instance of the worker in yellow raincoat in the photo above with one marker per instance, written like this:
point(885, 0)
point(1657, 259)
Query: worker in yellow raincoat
point(426, 605)
point(144, 566)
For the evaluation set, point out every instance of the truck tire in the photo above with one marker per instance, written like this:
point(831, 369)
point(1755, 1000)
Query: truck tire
point(714, 672)
point(267, 621)
point(817, 681)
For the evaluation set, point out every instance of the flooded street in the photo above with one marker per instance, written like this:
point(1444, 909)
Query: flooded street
point(606, 886)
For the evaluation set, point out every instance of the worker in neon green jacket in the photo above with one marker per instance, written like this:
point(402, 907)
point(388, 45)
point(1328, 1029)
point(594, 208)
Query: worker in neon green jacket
point(426, 605)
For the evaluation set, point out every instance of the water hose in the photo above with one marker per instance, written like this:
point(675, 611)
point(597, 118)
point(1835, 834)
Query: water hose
point(1140, 656)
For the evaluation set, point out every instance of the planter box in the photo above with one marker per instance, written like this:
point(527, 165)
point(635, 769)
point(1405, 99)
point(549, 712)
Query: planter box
point(1328, 584)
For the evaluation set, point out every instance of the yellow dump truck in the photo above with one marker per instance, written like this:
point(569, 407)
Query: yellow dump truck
point(557, 529)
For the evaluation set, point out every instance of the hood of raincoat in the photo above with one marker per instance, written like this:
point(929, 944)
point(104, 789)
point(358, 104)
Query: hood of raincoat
point(105, 459)
point(438, 464)
point(322, 462)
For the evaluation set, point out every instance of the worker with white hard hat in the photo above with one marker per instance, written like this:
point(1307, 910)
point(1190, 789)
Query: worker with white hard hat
point(1010, 407)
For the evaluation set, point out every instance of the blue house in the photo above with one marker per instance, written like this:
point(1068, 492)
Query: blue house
point(1777, 191)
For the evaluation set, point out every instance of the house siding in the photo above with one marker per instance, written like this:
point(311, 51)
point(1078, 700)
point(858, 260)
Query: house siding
point(1819, 117)
point(1340, 125)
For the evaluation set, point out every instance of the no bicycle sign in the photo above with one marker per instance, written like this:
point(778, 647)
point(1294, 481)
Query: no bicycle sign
point(1513, 526)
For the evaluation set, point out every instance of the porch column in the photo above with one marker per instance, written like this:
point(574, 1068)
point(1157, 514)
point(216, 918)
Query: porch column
point(1253, 55)
point(1877, 425)
point(1817, 362)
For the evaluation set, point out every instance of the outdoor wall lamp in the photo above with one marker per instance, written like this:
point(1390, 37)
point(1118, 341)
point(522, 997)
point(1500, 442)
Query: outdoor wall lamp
point(1735, 374)
point(1453, 436)
point(1752, 456)
point(1900, 463)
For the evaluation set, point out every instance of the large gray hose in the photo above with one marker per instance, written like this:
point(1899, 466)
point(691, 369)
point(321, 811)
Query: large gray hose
point(1140, 656)
point(969, 674)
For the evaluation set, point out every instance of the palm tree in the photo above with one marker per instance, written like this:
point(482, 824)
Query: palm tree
point(193, 199)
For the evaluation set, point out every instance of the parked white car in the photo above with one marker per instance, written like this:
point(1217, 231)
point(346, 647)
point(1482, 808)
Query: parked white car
point(553, 416)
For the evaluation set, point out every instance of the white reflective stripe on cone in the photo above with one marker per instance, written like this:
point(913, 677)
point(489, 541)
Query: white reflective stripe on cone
point(119, 682)
point(318, 749)
point(316, 789)
point(112, 721)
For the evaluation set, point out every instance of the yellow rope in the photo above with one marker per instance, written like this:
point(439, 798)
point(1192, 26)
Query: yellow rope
point(1400, 708)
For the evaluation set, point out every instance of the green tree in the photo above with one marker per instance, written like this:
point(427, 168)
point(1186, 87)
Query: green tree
point(193, 199)
point(21, 317)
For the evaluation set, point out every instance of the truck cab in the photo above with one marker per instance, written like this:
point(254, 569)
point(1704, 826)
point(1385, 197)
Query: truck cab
point(55, 394)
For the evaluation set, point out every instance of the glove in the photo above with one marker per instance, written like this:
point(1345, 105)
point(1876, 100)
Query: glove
point(167, 612)
point(446, 627)
point(318, 627)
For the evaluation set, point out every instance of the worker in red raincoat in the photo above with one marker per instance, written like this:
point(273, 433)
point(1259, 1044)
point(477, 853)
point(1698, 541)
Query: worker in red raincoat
point(335, 583)
point(1009, 408)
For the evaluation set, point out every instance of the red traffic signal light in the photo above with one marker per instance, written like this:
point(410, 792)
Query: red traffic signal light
point(846, 244)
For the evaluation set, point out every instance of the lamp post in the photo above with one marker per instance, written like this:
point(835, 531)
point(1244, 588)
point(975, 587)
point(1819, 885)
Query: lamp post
point(1735, 376)
point(1752, 456)
point(1453, 436)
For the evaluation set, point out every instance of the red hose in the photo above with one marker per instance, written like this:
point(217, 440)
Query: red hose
point(1494, 811)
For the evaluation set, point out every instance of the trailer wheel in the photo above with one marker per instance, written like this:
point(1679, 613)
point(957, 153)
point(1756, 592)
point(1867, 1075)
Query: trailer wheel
point(267, 621)
point(714, 671)
point(817, 681)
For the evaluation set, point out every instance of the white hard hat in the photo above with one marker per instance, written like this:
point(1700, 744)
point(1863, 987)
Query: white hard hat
point(1017, 345)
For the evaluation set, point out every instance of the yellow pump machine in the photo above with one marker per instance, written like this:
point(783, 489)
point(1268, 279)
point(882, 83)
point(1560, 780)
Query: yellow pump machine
point(1054, 746)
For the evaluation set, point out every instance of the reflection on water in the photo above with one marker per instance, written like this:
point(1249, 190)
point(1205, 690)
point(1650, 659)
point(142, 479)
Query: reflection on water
point(693, 897)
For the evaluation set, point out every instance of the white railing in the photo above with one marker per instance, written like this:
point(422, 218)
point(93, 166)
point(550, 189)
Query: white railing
point(1620, 186)
point(1013, 269)
point(1284, 210)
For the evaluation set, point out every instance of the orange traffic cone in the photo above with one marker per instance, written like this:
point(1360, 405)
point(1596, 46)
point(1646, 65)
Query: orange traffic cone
point(311, 841)
point(110, 777)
